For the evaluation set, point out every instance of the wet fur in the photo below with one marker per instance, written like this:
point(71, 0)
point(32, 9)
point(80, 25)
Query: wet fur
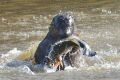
point(61, 28)
point(53, 36)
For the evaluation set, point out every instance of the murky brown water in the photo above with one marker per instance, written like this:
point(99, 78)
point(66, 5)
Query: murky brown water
point(23, 22)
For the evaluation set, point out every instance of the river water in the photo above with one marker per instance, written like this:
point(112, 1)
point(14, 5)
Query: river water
point(24, 22)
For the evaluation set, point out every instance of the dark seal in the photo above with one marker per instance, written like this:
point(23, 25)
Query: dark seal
point(61, 27)
point(67, 52)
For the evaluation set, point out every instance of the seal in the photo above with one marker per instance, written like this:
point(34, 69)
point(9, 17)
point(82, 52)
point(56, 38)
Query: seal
point(61, 27)
point(67, 52)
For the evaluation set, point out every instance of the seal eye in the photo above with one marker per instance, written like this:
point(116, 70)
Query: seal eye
point(65, 21)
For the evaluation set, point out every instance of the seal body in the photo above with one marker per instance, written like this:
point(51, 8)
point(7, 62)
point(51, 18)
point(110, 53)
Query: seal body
point(61, 27)
point(67, 52)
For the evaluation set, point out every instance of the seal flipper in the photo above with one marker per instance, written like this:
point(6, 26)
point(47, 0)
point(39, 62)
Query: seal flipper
point(86, 49)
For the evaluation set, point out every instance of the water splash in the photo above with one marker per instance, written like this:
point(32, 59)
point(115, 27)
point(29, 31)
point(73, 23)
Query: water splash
point(101, 61)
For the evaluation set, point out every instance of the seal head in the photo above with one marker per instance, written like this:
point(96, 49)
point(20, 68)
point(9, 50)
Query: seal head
point(64, 24)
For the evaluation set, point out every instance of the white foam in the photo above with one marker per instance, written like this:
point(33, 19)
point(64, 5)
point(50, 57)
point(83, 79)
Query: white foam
point(99, 59)
point(69, 68)
point(27, 70)
point(13, 52)
point(48, 70)
point(108, 65)
point(98, 62)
